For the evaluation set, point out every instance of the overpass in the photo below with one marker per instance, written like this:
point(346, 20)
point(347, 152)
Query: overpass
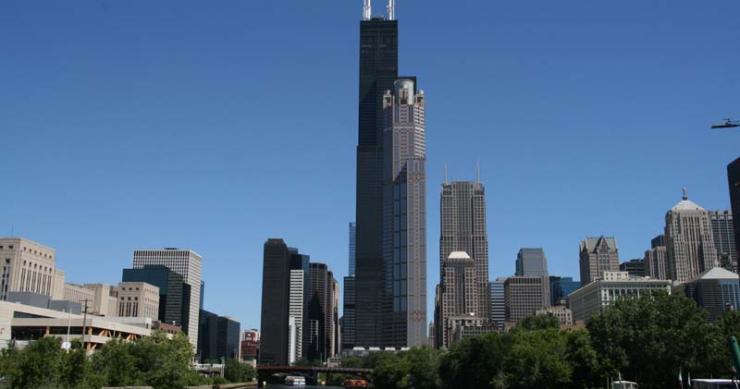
point(310, 372)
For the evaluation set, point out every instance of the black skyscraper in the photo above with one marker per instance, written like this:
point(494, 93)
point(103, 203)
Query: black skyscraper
point(174, 292)
point(378, 72)
point(733, 179)
point(275, 299)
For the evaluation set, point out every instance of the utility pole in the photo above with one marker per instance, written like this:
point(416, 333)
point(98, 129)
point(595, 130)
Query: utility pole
point(84, 323)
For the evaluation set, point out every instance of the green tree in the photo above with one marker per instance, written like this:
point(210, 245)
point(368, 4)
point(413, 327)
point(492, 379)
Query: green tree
point(648, 339)
point(117, 364)
point(539, 322)
point(235, 371)
point(537, 360)
point(37, 365)
point(587, 371)
point(475, 362)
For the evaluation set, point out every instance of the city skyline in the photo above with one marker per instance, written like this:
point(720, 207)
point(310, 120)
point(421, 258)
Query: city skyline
point(155, 204)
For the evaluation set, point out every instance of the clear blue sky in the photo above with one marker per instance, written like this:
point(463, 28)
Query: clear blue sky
point(214, 125)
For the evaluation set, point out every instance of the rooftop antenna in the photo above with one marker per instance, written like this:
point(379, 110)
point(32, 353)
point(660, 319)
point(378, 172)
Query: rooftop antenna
point(685, 194)
point(391, 9)
point(446, 182)
point(367, 9)
point(477, 171)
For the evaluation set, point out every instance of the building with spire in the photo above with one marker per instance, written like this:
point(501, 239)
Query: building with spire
point(689, 240)
point(597, 255)
point(404, 215)
point(378, 72)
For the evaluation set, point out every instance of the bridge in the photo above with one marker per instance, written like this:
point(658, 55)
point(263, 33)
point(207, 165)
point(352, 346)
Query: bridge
point(264, 372)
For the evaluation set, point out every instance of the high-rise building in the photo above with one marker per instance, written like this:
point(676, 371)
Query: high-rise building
point(404, 215)
point(296, 309)
point(597, 255)
point(733, 182)
point(498, 302)
point(275, 302)
point(560, 288)
point(28, 266)
point(219, 337)
point(138, 299)
point(378, 72)
point(320, 333)
point(724, 238)
point(348, 320)
point(459, 290)
point(174, 292)
point(635, 267)
point(689, 240)
point(656, 259)
point(716, 290)
point(186, 263)
point(524, 296)
point(531, 262)
point(463, 228)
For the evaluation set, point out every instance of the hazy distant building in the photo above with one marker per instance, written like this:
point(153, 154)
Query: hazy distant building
point(319, 333)
point(498, 302)
point(404, 215)
point(459, 290)
point(463, 228)
point(597, 255)
point(635, 267)
point(531, 262)
point(724, 238)
point(592, 298)
point(378, 62)
point(560, 288)
point(186, 263)
point(689, 240)
point(27, 266)
point(733, 182)
point(524, 296)
point(716, 290)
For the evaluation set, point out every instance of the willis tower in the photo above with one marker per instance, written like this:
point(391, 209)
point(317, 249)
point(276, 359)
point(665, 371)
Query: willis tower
point(378, 72)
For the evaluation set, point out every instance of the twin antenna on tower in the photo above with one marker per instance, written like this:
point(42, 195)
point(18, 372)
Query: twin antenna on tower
point(367, 9)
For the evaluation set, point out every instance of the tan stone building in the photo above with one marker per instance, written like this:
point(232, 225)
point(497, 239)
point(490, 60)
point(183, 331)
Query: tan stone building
point(138, 299)
point(689, 241)
point(27, 266)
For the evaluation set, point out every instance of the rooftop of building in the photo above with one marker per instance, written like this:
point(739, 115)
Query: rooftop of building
point(717, 273)
point(686, 205)
point(592, 242)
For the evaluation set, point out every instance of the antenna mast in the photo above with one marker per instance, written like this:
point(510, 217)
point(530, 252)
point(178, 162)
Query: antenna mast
point(367, 9)
point(391, 9)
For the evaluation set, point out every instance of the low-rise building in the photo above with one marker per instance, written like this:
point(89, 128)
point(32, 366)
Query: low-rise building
point(591, 299)
point(138, 299)
point(466, 326)
point(563, 314)
point(716, 290)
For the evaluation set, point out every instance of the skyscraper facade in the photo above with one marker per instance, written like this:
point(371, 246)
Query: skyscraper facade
point(186, 263)
point(524, 296)
point(404, 215)
point(320, 338)
point(28, 266)
point(174, 292)
point(348, 320)
point(459, 291)
point(297, 305)
point(274, 346)
point(463, 228)
point(634, 267)
point(498, 303)
point(733, 183)
point(531, 262)
point(378, 72)
point(689, 240)
point(597, 255)
point(560, 288)
point(724, 238)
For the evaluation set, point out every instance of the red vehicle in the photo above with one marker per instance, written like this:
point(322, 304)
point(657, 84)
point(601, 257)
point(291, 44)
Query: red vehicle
point(355, 383)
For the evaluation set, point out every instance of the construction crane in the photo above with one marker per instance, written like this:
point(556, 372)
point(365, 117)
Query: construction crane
point(727, 124)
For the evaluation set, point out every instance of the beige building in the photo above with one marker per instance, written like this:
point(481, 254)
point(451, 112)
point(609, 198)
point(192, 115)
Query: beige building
point(138, 299)
point(459, 291)
point(591, 299)
point(523, 296)
point(562, 313)
point(597, 255)
point(100, 298)
point(689, 240)
point(27, 266)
